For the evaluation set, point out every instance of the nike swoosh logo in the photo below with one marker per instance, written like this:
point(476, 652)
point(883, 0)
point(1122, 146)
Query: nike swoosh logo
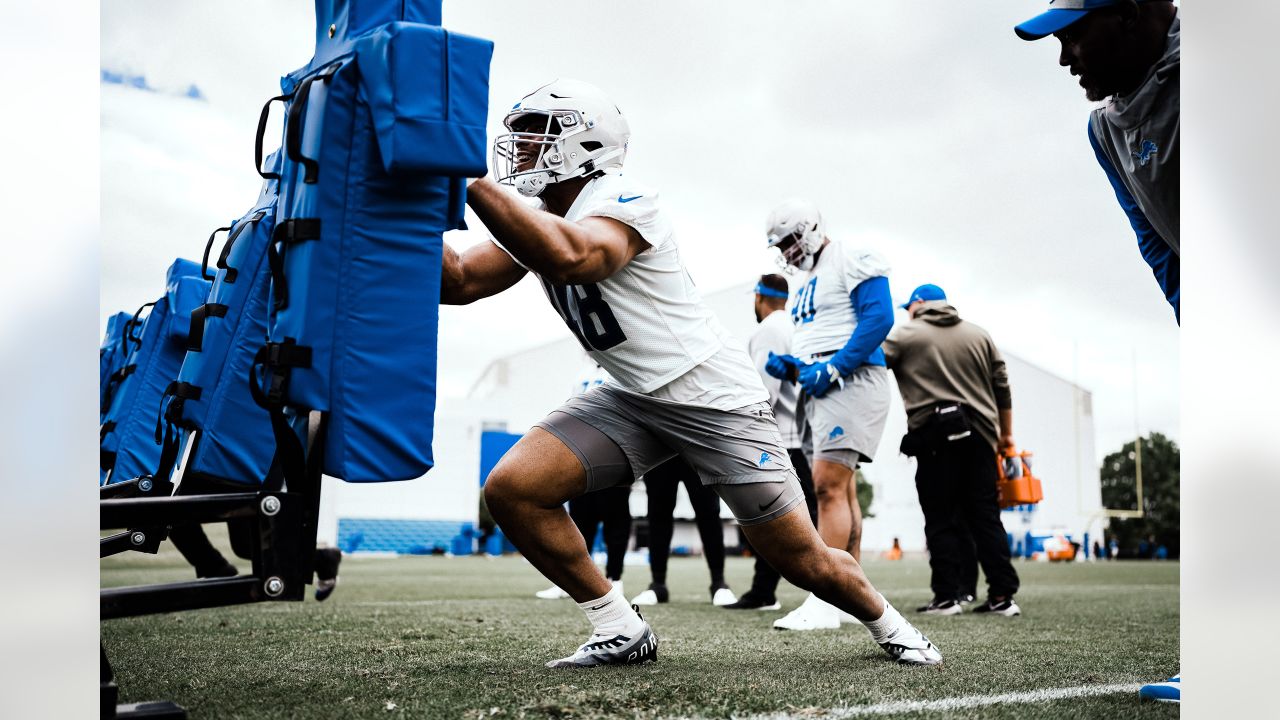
point(627, 200)
point(774, 500)
point(602, 605)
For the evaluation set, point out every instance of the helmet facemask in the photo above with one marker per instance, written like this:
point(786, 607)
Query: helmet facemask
point(801, 245)
point(529, 159)
point(563, 130)
point(548, 151)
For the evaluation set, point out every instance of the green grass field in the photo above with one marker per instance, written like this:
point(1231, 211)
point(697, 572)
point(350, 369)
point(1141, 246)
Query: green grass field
point(436, 637)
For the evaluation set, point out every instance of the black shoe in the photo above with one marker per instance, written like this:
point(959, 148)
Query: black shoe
point(1006, 607)
point(327, 561)
point(940, 607)
point(751, 601)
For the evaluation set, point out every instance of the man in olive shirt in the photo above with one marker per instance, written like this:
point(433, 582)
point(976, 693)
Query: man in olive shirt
point(959, 413)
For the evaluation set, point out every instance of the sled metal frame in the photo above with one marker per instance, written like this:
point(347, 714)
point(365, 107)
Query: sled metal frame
point(283, 551)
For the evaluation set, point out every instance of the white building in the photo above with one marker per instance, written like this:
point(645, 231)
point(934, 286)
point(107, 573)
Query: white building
point(1052, 418)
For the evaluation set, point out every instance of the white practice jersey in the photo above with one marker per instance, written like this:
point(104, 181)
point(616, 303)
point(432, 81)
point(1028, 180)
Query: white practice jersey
point(773, 335)
point(821, 308)
point(646, 324)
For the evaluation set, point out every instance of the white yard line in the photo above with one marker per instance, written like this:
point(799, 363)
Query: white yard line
point(944, 705)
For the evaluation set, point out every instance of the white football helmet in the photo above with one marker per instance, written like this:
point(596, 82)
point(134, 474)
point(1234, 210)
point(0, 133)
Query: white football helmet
point(801, 221)
point(578, 131)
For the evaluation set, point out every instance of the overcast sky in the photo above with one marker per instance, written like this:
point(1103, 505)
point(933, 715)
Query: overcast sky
point(926, 131)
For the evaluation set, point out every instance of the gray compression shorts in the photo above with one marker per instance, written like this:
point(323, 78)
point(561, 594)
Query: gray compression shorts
point(739, 453)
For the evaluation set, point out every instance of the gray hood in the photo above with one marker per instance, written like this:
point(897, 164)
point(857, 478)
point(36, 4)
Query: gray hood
point(938, 312)
point(1129, 111)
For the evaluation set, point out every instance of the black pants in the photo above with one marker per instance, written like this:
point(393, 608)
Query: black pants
point(957, 486)
point(660, 485)
point(765, 581)
point(610, 507)
point(191, 541)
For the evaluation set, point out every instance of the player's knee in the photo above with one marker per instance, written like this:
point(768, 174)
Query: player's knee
point(497, 490)
point(510, 485)
point(504, 487)
point(831, 489)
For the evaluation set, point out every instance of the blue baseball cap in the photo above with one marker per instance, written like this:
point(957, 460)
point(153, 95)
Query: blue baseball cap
point(926, 293)
point(1060, 14)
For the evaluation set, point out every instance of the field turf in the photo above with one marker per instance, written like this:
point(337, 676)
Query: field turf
point(438, 637)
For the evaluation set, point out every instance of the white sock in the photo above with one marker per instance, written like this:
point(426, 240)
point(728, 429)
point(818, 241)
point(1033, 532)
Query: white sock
point(611, 615)
point(882, 627)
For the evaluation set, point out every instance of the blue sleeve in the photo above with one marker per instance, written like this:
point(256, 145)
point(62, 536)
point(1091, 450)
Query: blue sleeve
point(1163, 260)
point(874, 306)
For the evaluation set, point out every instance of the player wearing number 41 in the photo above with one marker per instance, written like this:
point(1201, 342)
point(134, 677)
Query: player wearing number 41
point(607, 256)
point(841, 313)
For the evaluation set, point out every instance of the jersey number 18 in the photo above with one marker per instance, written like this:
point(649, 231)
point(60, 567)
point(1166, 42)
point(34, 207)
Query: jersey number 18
point(587, 315)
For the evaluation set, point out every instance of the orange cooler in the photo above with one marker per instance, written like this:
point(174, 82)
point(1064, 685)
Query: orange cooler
point(1017, 486)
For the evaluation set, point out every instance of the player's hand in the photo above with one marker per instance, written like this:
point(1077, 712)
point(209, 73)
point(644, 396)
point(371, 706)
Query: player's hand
point(817, 378)
point(783, 367)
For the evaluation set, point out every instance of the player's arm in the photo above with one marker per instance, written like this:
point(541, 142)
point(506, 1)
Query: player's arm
point(562, 251)
point(871, 301)
point(1165, 263)
point(483, 270)
point(874, 307)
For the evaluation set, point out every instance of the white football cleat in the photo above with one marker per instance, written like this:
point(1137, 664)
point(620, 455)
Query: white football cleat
point(614, 650)
point(552, 593)
point(813, 614)
point(909, 646)
point(723, 596)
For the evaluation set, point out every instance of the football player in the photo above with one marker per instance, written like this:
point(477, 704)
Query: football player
point(841, 311)
point(605, 253)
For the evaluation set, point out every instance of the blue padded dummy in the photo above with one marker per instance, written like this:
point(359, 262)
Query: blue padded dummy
point(381, 130)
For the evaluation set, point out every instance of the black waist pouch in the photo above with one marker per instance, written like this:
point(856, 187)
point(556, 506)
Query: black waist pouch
point(947, 423)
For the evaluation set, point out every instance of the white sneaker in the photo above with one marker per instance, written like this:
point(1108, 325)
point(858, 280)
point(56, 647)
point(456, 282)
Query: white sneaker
point(813, 614)
point(723, 596)
point(552, 593)
point(909, 646)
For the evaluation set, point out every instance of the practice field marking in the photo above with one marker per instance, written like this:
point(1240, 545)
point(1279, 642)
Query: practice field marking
point(951, 704)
